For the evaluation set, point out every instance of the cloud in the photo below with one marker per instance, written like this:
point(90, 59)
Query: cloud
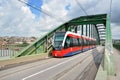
point(17, 19)
point(115, 12)
point(115, 31)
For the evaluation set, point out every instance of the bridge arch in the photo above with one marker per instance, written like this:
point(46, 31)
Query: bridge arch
point(92, 26)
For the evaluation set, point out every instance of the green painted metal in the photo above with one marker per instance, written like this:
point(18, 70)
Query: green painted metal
point(43, 44)
point(108, 58)
point(98, 36)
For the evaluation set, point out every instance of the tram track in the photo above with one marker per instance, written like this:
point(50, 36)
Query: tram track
point(74, 67)
point(67, 70)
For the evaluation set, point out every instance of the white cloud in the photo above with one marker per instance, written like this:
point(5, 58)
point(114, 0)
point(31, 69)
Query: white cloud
point(115, 31)
point(17, 18)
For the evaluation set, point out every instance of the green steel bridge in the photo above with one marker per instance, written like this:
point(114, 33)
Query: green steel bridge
point(94, 26)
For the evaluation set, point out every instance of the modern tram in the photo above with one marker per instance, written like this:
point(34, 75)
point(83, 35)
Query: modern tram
point(69, 43)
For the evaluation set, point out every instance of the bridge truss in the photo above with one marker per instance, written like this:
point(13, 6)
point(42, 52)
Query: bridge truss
point(94, 26)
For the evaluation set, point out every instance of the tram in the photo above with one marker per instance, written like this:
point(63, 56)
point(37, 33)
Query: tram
point(69, 43)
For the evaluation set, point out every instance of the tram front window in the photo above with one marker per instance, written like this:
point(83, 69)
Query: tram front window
point(58, 39)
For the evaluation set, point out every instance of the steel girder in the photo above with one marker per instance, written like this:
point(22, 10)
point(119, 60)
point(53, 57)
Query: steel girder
point(108, 56)
point(43, 44)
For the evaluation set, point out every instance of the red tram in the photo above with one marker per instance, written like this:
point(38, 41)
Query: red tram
point(69, 43)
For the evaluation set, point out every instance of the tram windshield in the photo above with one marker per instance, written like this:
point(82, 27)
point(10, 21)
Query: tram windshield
point(58, 39)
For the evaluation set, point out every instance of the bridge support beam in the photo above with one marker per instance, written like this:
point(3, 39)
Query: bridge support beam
point(108, 56)
point(98, 36)
point(89, 30)
point(92, 30)
point(86, 30)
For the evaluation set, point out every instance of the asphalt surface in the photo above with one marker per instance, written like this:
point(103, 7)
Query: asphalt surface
point(82, 66)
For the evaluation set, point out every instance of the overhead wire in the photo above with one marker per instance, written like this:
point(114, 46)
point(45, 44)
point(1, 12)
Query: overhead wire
point(53, 16)
point(110, 13)
point(81, 7)
point(98, 2)
point(41, 10)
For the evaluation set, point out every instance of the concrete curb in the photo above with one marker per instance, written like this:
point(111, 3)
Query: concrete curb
point(101, 74)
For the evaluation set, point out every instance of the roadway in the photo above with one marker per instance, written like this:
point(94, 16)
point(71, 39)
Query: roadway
point(78, 67)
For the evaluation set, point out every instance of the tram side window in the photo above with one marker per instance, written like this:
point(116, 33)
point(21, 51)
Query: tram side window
point(90, 42)
point(94, 42)
point(67, 42)
point(87, 42)
point(80, 42)
point(75, 42)
point(71, 42)
point(84, 42)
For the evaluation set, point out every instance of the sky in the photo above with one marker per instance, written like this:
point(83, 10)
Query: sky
point(18, 19)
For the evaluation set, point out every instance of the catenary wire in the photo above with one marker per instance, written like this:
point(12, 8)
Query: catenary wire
point(43, 11)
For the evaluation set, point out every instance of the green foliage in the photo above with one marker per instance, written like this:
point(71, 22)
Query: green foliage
point(117, 46)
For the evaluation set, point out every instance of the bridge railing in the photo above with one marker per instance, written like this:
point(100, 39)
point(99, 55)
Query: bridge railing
point(10, 50)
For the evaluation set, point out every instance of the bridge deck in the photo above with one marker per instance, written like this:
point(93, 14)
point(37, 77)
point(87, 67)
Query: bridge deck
point(79, 67)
